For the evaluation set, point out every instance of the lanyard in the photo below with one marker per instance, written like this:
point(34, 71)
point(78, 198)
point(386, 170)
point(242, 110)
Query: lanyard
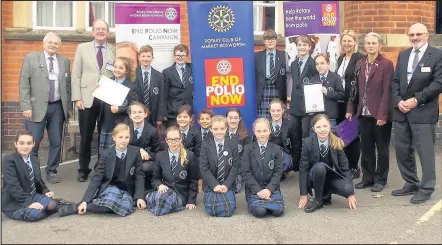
point(367, 70)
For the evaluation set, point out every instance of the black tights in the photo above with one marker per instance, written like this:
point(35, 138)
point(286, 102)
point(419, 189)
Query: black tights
point(97, 209)
point(261, 212)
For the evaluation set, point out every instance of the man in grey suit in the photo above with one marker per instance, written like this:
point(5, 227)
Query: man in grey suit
point(416, 86)
point(45, 98)
point(92, 59)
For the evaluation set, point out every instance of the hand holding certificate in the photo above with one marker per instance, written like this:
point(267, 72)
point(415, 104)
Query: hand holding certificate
point(110, 91)
point(313, 98)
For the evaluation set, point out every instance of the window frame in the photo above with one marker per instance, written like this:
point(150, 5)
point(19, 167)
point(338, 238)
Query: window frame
point(55, 28)
point(273, 5)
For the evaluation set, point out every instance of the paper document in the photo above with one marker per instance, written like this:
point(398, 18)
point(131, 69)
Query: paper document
point(313, 98)
point(110, 91)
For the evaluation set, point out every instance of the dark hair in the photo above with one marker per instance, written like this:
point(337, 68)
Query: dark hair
point(206, 111)
point(137, 103)
point(322, 55)
point(242, 130)
point(181, 48)
point(185, 108)
point(269, 33)
point(335, 142)
point(21, 133)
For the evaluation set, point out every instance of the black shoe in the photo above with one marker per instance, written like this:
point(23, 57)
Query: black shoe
point(419, 197)
point(377, 188)
point(327, 202)
point(66, 210)
point(52, 178)
point(82, 177)
point(312, 206)
point(363, 185)
point(356, 173)
point(283, 176)
point(404, 191)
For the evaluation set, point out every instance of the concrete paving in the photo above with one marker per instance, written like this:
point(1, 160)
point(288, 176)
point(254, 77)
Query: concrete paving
point(384, 219)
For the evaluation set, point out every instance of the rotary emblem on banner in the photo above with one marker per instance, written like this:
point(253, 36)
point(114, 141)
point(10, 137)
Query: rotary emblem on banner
point(223, 67)
point(170, 13)
point(221, 18)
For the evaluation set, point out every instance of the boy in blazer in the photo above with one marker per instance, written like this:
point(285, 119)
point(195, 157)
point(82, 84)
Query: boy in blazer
point(205, 120)
point(178, 83)
point(118, 179)
point(218, 164)
point(261, 168)
point(25, 195)
point(175, 177)
point(150, 87)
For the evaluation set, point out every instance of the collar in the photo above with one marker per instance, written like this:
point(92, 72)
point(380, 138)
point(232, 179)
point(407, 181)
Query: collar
point(176, 154)
point(323, 75)
point(323, 143)
point(27, 159)
point(179, 66)
point(271, 52)
point(304, 59)
point(120, 80)
point(103, 46)
point(148, 70)
point(47, 55)
point(260, 145)
point(421, 49)
point(277, 123)
point(120, 152)
point(230, 132)
point(219, 142)
point(187, 130)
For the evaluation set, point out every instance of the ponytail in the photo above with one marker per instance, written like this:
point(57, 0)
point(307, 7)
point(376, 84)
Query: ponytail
point(336, 142)
point(183, 155)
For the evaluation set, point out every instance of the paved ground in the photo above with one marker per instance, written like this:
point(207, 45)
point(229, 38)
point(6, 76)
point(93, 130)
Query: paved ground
point(385, 219)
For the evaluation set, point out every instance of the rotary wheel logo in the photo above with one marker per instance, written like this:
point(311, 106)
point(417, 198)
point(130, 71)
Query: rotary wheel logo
point(223, 67)
point(221, 18)
point(328, 7)
point(171, 13)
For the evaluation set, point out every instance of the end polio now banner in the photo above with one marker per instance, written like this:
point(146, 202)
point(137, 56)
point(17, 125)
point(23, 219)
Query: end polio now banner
point(154, 24)
point(222, 48)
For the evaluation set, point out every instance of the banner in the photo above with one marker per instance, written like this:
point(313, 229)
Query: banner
point(222, 48)
point(318, 20)
point(157, 25)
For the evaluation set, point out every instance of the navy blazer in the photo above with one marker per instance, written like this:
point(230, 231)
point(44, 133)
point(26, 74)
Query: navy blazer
point(349, 73)
point(17, 184)
point(185, 180)
point(148, 140)
point(297, 104)
point(104, 172)
point(176, 94)
point(200, 134)
point(259, 174)
point(280, 75)
point(240, 143)
point(310, 157)
point(156, 94)
point(424, 86)
point(335, 92)
point(208, 163)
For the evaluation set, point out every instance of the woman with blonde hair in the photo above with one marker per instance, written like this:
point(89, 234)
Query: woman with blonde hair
point(324, 167)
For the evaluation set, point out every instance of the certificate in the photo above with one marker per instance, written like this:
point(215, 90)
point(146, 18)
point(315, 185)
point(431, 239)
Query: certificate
point(110, 91)
point(313, 98)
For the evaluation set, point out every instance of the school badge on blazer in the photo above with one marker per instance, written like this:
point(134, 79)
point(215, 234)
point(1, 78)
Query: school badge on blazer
point(239, 148)
point(230, 161)
point(183, 174)
point(305, 80)
point(155, 90)
point(132, 170)
point(124, 103)
point(271, 164)
point(282, 71)
point(191, 80)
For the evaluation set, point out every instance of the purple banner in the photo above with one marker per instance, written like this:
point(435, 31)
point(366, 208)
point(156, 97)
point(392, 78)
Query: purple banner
point(302, 18)
point(142, 13)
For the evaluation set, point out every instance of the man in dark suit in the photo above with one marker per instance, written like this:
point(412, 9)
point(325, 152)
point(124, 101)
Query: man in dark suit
point(150, 87)
point(178, 86)
point(45, 98)
point(269, 74)
point(416, 86)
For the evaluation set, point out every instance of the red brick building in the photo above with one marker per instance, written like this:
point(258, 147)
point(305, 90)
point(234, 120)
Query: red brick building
point(24, 25)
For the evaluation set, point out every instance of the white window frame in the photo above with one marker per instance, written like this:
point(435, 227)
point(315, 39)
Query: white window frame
point(34, 18)
point(259, 13)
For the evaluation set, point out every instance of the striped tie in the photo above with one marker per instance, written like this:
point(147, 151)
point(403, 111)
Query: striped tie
point(272, 67)
point(184, 76)
point(174, 164)
point(31, 177)
point(415, 60)
point(205, 134)
point(323, 150)
point(146, 93)
point(263, 152)
point(299, 68)
point(277, 130)
point(221, 165)
point(232, 135)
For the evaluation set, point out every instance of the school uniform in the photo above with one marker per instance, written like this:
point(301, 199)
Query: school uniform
point(235, 139)
point(261, 168)
point(325, 170)
point(108, 120)
point(218, 163)
point(283, 135)
point(181, 179)
point(178, 88)
point(22, 186)
point(205, 133)
point(150, 91)
point(117, 181)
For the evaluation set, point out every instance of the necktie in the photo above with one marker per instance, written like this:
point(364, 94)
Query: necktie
point(277, 130)
point(263, 151)
point(174, 164)
point(416, 59)
point(146, 93)
point(272, 67)
point(299, 68)
point(51, 82)
point(323, 150)
point(204, 134)
point(184, 76)
point(221, 166)
point(323, 78)
point(136, 133)
point(31, 178)
point(100, 57)
point(122, 156)
point(232, 135)
point(183, 136)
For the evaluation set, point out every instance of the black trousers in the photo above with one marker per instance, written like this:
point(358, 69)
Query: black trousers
point(302, 131)
point(325, 182)
point(422, 137)
point(352, 150)
point(374, 138)
point(87, 120)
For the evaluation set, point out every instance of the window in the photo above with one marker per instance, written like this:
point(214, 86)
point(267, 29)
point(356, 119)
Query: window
point(265, 16)
point(53, 15)
point(100, 10)
point(438, 17)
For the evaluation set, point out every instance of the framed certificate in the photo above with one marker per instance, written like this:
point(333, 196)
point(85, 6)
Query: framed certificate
point(313, 98)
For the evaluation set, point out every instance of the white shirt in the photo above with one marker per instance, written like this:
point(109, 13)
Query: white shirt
point(411, 58)
point(341, 70)
point(56, 72)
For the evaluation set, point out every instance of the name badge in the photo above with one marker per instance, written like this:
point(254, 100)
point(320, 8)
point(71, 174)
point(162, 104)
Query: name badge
point(65, 75)
point(425, 69)
point(53, 76)
point(109, 67)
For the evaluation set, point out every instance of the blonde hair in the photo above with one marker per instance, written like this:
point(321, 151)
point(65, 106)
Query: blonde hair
point(261, 120)
point(130, 72)
point(183, 151)
point(120, 128)
point(351, 34)
point(219, 118)
point(335, 142)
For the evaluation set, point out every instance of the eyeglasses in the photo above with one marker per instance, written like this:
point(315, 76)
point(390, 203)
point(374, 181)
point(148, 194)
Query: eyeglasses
point(174, 140)
point(416, 34)
point(180, 56)
point(269, 39)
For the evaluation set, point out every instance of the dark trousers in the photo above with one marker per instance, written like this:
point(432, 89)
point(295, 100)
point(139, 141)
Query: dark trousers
point(87, 120)
point(352, 150)
point(411, 136)
point(147, 167)
point(374, 138)
point(261, 212)
point(53, 122)
point(325, 182)
point(171, 122)
point(302, 131)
